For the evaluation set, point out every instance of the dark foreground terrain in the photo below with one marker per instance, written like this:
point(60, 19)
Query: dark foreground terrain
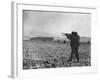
point(48, 54)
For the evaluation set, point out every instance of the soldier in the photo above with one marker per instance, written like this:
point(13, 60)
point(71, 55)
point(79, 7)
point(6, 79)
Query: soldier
point(74, 38)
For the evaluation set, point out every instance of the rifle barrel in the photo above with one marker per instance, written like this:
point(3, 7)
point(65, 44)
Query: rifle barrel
point(64, 33)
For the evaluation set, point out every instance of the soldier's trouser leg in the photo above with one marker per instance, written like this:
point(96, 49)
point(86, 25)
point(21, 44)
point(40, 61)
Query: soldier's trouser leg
point(72, 54)
point(76, 54)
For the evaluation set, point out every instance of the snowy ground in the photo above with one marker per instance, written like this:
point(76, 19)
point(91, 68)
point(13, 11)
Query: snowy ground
point(39, 54)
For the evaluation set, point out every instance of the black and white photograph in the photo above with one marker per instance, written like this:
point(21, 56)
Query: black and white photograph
point(54, 39)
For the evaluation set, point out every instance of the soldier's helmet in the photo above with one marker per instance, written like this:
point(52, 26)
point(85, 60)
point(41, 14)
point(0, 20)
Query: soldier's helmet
point(74, 33)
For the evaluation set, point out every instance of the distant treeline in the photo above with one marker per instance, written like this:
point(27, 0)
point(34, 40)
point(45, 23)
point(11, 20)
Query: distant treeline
point(42, 38)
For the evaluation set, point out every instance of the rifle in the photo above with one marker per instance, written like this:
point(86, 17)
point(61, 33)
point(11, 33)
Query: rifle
point(66, 34)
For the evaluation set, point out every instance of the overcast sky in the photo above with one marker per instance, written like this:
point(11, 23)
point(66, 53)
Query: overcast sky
point(39, 23)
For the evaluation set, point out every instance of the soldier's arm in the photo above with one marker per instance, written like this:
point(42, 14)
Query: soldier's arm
point(69, 36)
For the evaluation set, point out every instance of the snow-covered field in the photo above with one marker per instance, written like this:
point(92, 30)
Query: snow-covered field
point(50, 54)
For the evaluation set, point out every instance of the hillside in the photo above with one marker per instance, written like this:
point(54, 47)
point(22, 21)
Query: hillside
point(85, 39)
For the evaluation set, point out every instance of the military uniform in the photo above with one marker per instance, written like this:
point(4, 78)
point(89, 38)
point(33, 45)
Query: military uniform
point(74, 38)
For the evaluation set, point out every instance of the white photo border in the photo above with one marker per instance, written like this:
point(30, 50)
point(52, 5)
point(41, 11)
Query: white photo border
point(17, 53)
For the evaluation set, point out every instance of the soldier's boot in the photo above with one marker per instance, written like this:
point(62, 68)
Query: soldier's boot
point(77, 56)
point(70, 59)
